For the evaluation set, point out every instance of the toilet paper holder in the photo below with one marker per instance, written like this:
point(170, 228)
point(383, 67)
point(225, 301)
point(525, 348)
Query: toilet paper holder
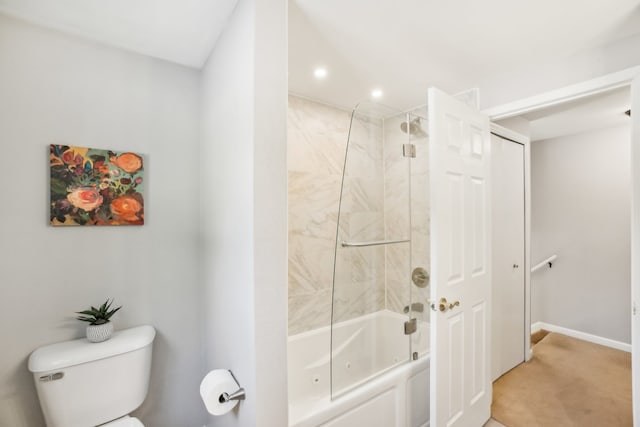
point(236, 395)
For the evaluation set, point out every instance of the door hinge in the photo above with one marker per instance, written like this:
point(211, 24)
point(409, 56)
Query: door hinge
point(410, 326)
point(409, 150)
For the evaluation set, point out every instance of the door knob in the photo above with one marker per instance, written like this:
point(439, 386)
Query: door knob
point(441, 306)
point(444, 305)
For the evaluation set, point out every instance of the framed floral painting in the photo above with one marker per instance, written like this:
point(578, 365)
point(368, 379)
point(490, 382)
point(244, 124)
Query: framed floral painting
point(95, 187)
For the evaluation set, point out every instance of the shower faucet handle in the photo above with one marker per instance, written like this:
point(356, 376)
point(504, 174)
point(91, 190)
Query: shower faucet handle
point(420, 277)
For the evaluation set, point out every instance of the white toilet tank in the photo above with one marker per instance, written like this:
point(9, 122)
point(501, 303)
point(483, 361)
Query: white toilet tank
point(84, 384)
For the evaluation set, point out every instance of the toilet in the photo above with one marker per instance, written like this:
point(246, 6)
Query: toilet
point(84, 384)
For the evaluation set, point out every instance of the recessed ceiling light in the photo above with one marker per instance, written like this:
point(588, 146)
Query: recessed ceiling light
point(320, 73)
point(376, 93)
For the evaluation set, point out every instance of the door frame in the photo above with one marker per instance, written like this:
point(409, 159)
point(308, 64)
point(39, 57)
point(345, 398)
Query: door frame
point(566, 94)
point(525, 141)
point(608, 82)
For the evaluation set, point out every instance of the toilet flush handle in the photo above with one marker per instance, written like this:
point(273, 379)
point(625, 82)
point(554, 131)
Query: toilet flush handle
point(52, 377)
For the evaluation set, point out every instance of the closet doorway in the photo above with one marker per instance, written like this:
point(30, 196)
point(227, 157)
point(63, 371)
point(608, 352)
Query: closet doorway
point(509, 251)
point(581, 185)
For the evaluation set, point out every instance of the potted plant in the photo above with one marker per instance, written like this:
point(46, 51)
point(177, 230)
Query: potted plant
point(100, 327)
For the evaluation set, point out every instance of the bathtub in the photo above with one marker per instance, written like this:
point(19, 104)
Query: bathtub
point(385, 390)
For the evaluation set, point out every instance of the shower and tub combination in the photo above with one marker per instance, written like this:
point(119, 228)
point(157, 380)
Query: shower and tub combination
point(369, 364)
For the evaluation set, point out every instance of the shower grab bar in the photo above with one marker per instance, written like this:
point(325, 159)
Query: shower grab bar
point(372, 243)
point(545, 262)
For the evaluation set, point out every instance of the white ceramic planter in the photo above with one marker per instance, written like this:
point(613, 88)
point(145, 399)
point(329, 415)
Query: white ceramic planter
point(99, 333)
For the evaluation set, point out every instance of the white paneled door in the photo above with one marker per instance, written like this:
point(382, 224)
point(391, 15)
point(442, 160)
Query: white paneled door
point(508, 272)
point(459, 148)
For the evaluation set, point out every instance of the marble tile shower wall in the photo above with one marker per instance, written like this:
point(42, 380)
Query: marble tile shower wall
point(360, 272)
point(317, 138)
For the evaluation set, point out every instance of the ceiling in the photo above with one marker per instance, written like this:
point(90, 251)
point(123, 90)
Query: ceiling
point(404, 46)
point(399, 46)
point(584, 115)
point(181, 31)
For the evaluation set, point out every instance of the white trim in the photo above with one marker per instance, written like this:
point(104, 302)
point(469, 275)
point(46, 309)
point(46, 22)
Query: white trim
point(618, 345)
point(635, 247)
point(508, 133)
point(527, 247)
point(565, 94)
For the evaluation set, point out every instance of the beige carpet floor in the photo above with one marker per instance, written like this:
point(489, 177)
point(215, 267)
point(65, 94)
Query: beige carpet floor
point(567, 382)
point(536, 337)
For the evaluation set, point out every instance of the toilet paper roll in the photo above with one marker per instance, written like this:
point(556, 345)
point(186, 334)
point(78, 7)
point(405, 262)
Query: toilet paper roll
point(214, 384)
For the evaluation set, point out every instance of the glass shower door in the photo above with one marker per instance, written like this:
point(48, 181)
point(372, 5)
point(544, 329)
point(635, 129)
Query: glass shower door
point(371, 289)
point(420, 231)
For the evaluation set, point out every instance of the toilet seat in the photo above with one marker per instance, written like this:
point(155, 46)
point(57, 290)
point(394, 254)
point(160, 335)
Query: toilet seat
point(124, 422)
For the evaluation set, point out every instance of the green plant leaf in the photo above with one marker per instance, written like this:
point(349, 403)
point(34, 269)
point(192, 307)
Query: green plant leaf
point(88, 312)
point(112, 312)
point(58, 186)
point(98, 316)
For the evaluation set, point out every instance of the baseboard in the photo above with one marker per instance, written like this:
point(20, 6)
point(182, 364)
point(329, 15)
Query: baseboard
point(535, 327)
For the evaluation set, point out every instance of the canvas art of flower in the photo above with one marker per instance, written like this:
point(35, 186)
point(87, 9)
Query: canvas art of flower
point(95, 187)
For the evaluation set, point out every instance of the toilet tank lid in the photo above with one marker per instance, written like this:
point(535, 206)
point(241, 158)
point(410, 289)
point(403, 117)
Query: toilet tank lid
point(70, 353)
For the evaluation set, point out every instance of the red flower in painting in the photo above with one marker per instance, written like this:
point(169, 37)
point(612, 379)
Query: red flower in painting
point(86, 198)
point(127, 208)
point(128, 162)
point(101, 167)
point(70, 158)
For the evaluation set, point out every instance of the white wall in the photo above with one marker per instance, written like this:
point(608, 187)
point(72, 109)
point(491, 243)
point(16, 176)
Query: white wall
point(554, 74)
point(243, 210)
point(581, 211)
point(58, 89)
